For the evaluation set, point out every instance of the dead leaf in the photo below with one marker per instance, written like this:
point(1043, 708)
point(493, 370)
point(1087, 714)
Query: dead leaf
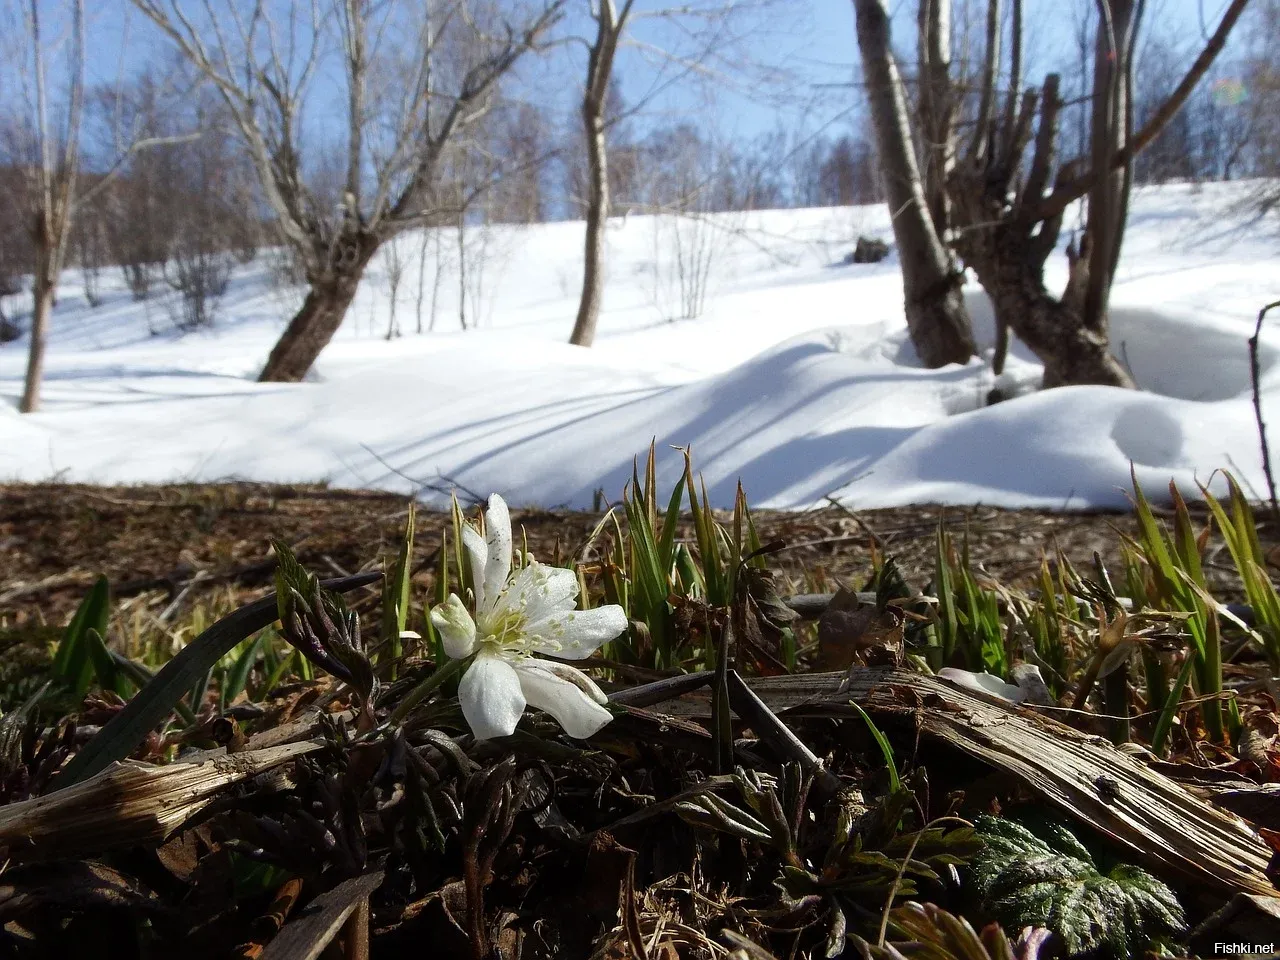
point(849, 632)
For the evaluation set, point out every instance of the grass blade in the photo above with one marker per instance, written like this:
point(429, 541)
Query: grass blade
point(237, 678)
point(72, 661)
point(154, 702)
point(395, 597)
point(895, 781)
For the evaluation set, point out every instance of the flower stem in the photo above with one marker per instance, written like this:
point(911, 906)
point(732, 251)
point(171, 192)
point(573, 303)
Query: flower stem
point(428, 686)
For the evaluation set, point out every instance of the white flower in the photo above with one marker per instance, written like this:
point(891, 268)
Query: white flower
point(516, 616)
point(1030, 684)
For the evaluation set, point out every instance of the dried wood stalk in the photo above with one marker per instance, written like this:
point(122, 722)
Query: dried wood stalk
point(1086, 777)
point(128, 803)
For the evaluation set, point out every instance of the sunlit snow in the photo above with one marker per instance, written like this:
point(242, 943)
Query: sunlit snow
point(797, 378)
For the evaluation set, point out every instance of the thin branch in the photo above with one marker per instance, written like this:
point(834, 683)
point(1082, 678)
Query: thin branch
point(1063, 196)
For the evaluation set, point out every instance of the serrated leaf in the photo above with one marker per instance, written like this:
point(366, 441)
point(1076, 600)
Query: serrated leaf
point(1049, 879)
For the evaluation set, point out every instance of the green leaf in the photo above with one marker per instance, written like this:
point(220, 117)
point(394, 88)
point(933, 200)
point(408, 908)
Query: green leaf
point(1047, 878)
point(670, 521)
point(395, 595)
point(72, 662)
point(152, 705)
point(895, 782)
point(945, 590)
point(104, 667)
point(237, 678)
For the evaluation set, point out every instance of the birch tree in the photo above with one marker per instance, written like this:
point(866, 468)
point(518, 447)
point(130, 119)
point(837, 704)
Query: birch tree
point(936, 316)
point(710, 48)
point(416, 77)
point(47, 148)
point(610, 21)
point(53, 164)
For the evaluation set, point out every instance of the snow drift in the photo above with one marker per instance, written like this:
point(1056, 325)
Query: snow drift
point(798, 378)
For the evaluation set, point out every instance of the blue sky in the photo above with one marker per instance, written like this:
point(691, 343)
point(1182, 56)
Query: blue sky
point(811, 39)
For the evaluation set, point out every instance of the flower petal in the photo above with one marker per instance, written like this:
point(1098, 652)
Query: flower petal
point(457, 629)
point(491, 697)
point(983, 683)
point(497, 532)
point(476, 553)
point(566, 672)
point(577, 635)
point(557, 592)
point(537, 592)
point(575, 709)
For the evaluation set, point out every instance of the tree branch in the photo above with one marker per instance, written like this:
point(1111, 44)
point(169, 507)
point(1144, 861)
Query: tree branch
point(1065, 195)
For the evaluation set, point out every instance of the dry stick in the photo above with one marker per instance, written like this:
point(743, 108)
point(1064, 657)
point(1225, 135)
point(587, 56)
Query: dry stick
point(1257, 409)
point(275, 917)
point(356, 933)
point(1152, 816)
point(771, 729)
point(306, 937)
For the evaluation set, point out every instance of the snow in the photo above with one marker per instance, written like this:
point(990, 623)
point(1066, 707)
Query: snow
point(797, 377)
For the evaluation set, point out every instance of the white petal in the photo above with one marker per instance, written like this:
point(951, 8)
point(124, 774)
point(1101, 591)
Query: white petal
point(577, 635)
point(491, 697)
point(573, 708)
point(476, 552)
point(497, 533)
point(457, 629)
point(538, 592)
point(983, 683)
point(566, 672)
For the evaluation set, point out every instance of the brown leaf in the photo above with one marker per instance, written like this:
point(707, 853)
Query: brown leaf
point(848, 632)
point(181, 854)
point(608, 865)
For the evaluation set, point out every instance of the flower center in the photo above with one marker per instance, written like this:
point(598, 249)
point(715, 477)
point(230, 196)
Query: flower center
point(504, 632)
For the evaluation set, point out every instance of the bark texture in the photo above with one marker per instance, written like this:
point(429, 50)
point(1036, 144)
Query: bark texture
point(315, 324)
point(1111, 131)
point(936, 108)
point(936, 316)
point(42, 294)
point(1006, 244)
point(597, 213)
point(610, 23)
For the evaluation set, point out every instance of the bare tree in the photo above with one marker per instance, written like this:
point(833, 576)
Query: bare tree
point(49, 152)
point(435, 239)
point(207, 217)
point(1010, 220)
point(54, 166)
point(708, 29)
point(610, 22)
point(393, 267)
point(406, 106)
point(936, 316)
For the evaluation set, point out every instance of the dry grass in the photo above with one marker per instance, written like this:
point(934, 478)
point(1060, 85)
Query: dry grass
point(210, 542)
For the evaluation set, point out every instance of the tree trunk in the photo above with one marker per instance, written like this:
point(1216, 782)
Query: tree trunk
point(42, 297)
point(1054, 329)
point(1112, 122)
point(313, 326)
point(936, 108)
point(936, 316)
point(584, 327)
